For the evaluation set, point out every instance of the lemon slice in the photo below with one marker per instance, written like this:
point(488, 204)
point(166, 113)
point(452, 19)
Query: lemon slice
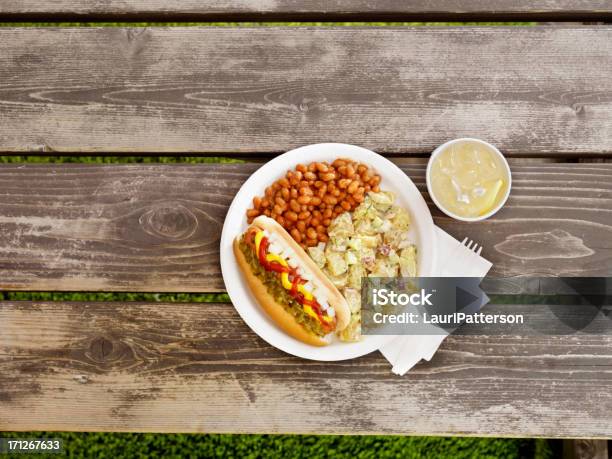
point(490, 198)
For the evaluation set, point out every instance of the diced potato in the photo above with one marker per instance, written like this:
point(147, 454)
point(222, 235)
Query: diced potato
point(353, 298)
point(317, 254)
point(365, 227)
point(368, 252)
point(397, 238)
point(342, 226)
point(386, 226)
point(351, 257)
point(401, 221)
point(338, 243)
point(408, 262)
point(377, 224)
point(355, 273)
point(382, 268)
point(339, 281)
point(383, 200)
point(393, 257)
point(365, 210)
point(352, 333)
point(370, 241)
point(355, 244)
point(336, 263)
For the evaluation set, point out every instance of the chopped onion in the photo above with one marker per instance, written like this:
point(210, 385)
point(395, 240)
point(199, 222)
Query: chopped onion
point(292, 262)
point(319, 294)
point(331, 312)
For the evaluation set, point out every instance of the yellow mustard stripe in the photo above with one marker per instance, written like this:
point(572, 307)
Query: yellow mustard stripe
point(305, 292)
point(258, 237)
point(273, 257)
point(285, 278)
point(308, 310)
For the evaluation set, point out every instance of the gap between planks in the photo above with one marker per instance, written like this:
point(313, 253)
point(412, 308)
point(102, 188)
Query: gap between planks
point(315, 10)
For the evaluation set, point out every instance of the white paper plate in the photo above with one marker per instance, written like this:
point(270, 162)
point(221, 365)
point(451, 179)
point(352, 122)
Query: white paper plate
point(393, 179)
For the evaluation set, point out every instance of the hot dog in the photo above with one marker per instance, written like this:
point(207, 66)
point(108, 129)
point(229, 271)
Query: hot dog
point(288, 284)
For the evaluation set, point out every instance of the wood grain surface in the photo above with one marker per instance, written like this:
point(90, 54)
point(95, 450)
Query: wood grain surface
point(530, 90)
point(313, 9)
point(198, 368)
point(157, 227)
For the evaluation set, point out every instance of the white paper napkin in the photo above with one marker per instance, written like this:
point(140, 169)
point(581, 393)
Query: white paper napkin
point(454, 260)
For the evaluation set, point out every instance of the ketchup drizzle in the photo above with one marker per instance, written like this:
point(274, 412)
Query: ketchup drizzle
point(293, 276)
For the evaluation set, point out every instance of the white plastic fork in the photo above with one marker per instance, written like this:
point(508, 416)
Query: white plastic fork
point(471, 245)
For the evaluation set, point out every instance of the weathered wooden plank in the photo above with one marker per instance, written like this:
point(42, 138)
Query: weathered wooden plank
point(157, 227)
point(316, 9)
point(534, 91)
point(198, 368)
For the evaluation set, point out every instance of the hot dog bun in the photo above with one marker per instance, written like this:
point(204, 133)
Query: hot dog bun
point(276, 311)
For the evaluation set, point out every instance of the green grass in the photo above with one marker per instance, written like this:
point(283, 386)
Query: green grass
point(105, 445)
point(119, 296)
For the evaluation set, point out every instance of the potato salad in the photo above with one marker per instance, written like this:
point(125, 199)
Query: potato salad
point(371, 241)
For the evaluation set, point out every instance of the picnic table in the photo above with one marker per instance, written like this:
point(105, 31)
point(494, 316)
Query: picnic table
point(542, 94)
